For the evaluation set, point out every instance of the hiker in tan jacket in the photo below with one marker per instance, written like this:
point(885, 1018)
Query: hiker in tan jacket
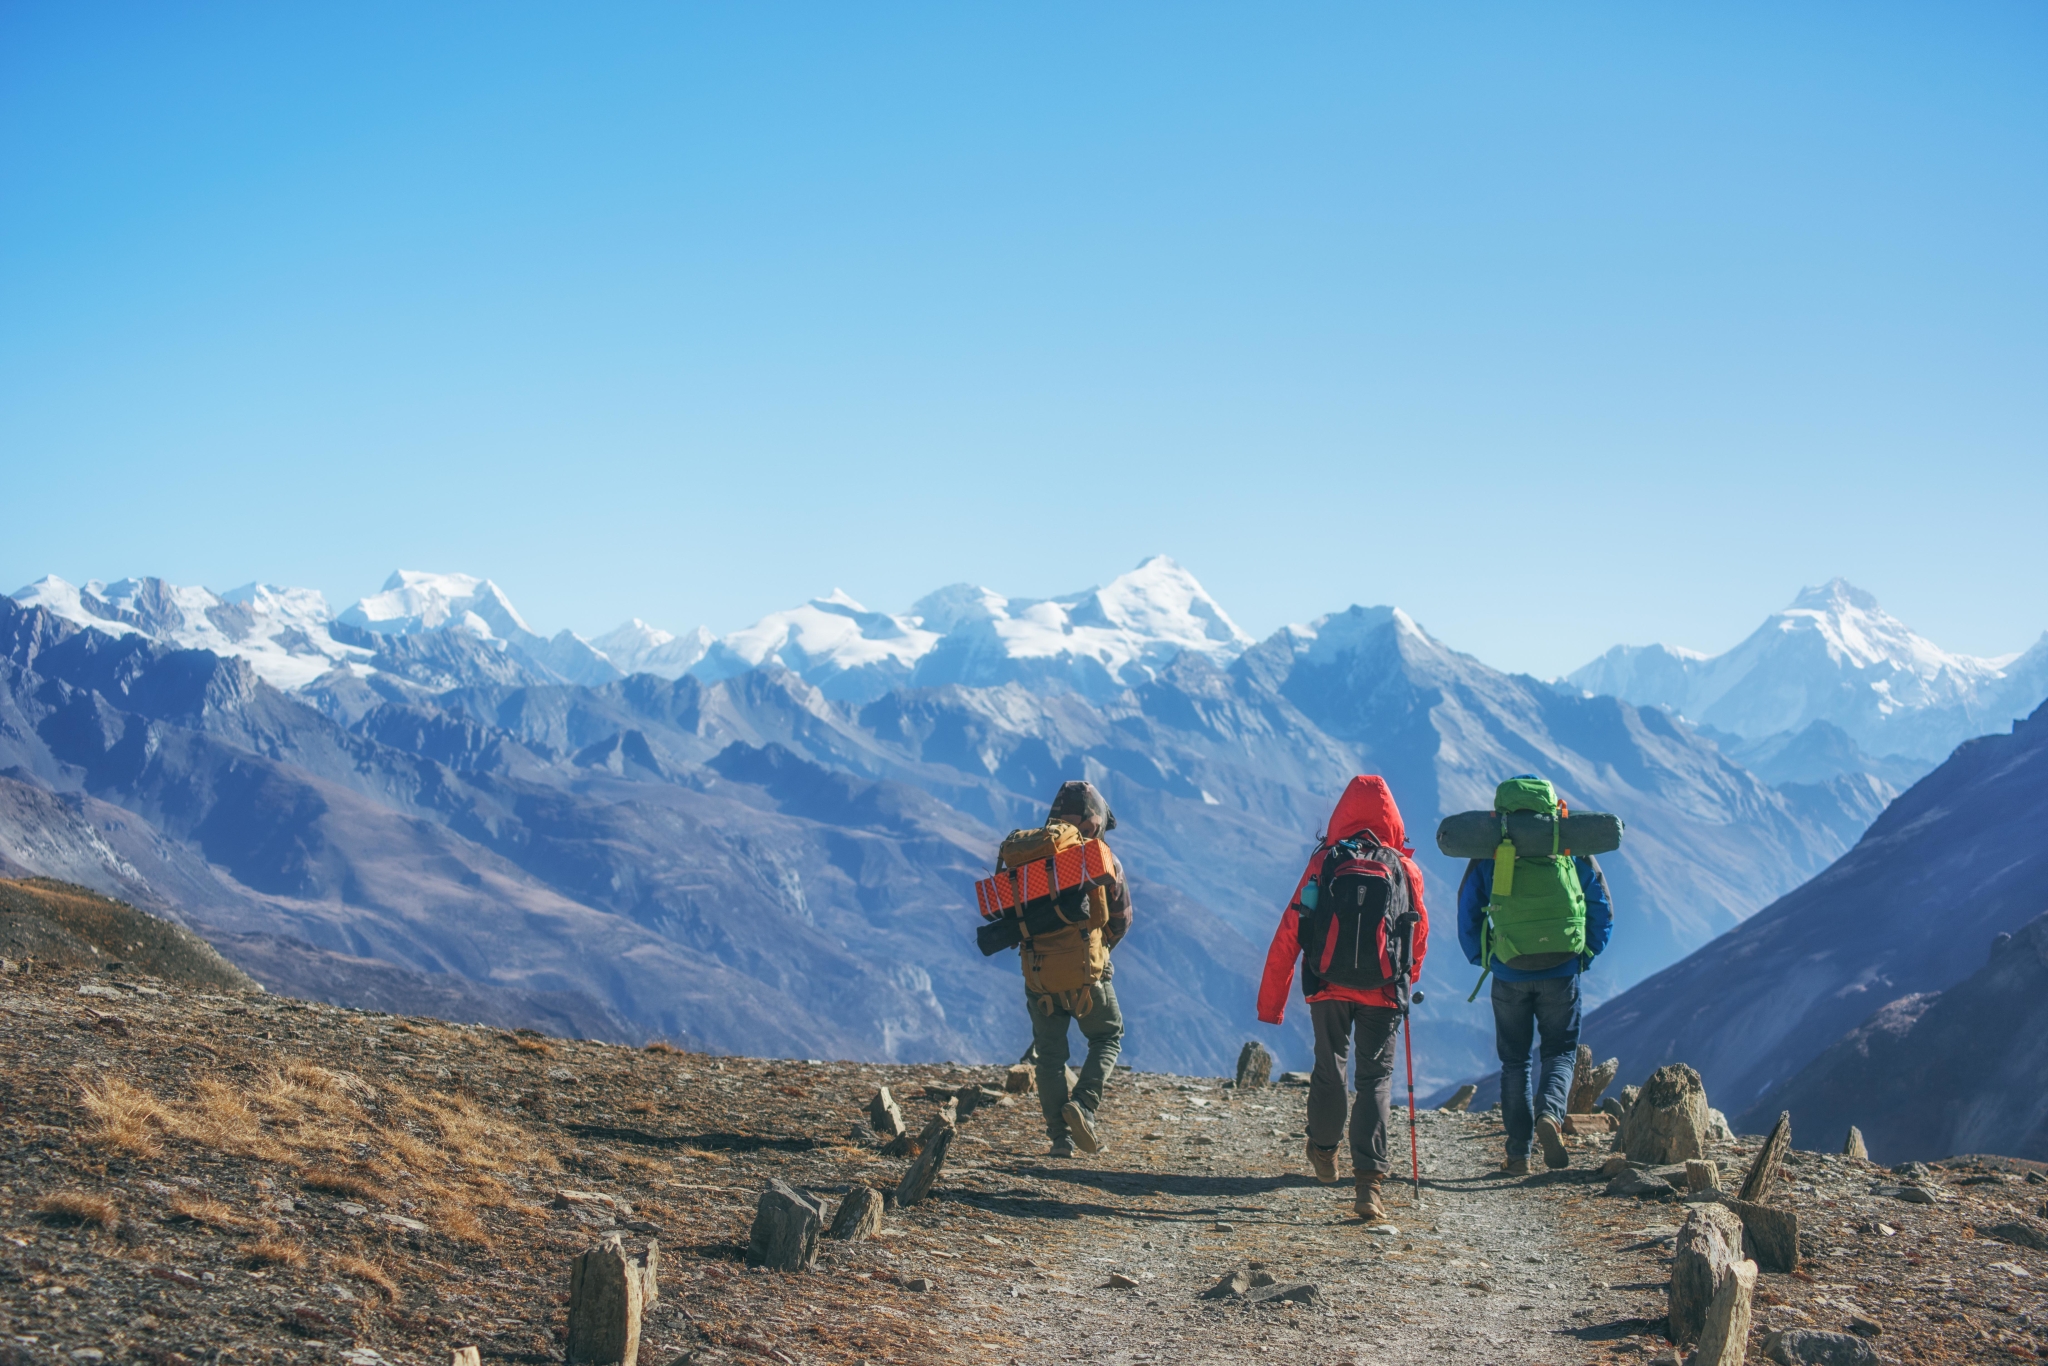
point(1067, 978)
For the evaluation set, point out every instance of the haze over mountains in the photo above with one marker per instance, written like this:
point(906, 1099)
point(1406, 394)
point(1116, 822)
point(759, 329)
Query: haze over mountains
point(763, 842)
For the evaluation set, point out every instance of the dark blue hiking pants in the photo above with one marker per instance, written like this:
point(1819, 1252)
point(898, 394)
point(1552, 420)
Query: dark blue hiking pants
point(1548, 1006)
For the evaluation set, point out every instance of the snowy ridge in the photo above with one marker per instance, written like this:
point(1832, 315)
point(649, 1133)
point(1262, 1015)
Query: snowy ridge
point(1833, 655)
point(282, 632)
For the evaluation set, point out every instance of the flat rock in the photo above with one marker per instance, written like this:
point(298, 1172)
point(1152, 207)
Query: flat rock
point(1297, 1292)
point(1640, 1185)
point(1805, 1347)
point(2020, 1231)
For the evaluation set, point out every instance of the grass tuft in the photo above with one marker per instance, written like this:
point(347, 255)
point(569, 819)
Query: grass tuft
point(335, 1181)
point(272, 1251)
point(78, 1207)
point(128, 1118)
point(361, 1270)
point(202, 1209)
point(534, 1046)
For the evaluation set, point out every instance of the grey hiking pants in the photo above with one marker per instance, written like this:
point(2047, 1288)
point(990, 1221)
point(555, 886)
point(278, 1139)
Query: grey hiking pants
point(1335, 1024)
point(1102, 1027)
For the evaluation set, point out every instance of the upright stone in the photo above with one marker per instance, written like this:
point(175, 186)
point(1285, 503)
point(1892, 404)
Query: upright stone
point(1772, 1235)
point(1461, 1100)
point(1852, 1146)
point(859, 1216)
point(1701, 1175)
point(885, 1116)
point(1763, 1172)
point(1254, 1066)
point(1709, 1246)
point(1668, 1122)
point(786, 1227)
point(604, 1307)
point(466, 1356)
point(1021, 1079)
point(924, 1173)
point(1590, 1081)
point(1724, 1341)
point(1629, 1096)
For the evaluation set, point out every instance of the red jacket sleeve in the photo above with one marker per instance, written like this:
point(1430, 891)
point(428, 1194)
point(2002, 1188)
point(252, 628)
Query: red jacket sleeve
point(1422, 911)
point(1279, 977)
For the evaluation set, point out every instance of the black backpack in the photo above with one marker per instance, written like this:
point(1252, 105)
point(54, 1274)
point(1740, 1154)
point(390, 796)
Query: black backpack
point(1349, 915)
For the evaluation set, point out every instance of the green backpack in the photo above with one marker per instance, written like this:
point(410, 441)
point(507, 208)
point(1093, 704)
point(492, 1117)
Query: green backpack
point(1537, 918)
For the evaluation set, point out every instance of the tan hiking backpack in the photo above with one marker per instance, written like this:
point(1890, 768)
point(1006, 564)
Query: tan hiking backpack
point(1065, 962)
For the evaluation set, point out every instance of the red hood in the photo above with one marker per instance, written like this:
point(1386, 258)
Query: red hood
point(1368, 805)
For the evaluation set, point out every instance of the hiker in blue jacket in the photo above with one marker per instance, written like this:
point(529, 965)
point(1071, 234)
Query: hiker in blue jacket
point(1535, 999)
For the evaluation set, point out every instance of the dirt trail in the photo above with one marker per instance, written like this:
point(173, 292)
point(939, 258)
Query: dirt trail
point(1199, 1179)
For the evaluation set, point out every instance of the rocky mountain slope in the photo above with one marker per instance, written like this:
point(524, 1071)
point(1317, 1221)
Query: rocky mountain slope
point(1935, 1073)
point(193, 1175)
point(1838, 661)
point(1953, 866)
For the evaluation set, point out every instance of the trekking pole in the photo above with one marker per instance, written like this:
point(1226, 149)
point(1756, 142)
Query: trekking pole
point(1407, 930)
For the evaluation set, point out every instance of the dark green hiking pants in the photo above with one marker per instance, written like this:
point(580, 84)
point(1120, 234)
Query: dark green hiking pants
point(1102, 1027)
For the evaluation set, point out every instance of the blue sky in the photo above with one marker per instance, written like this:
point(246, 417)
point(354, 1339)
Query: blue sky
point(691, 312)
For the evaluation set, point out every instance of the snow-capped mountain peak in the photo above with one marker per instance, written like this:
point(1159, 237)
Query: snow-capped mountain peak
point(637, 648)
point(1833, 655)
point(415, 601)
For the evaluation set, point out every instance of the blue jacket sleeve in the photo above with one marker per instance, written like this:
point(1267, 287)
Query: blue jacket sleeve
point(1474, 892)
point(1599, 905)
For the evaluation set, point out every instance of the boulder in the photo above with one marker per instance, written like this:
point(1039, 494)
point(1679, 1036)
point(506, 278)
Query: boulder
point(1701, 1175)
point(1852, 1146)
point(1298, 1292)
point(1294, 1078)
point(1805, 1347)
point(1021, 1079)
point(1717, 1127)
point(859, 1216)
point(1234, 1285)
point(1668, 1122)
point(604, 1307)
point(1612, 1106)
point(1708, 1247)
point(2020, 1231)
point(1641, 1185)
point(1771, 1235)
point(885, 1116)
point(1724, 1341)
point(786, 1227)
point(1590, 1081)
point(1461, 1099)
point(1254, 1066)
point(1763, 1171)
point(1629, 1096)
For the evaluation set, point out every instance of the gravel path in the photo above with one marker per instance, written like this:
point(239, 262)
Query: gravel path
point(1200, 1180)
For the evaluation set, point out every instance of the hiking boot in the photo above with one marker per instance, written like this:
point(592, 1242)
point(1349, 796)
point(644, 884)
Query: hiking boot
point(1367, 1204)
point(1516, 1166)
point(1552, 1138)
point(1324, 1163)
point(1081, 1126)
point(1062, 1147)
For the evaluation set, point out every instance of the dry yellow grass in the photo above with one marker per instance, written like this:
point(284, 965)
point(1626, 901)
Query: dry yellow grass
point(79, 1207)
point(128, 1119)
point(358, 1269)
point(272, 1251)
point(334, 1181)
point(534, 1046)
point(204, 1209)
point(640, 1107)
point(662, 1046)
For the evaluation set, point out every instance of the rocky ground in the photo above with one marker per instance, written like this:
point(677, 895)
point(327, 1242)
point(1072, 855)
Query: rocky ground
point(192, 1176)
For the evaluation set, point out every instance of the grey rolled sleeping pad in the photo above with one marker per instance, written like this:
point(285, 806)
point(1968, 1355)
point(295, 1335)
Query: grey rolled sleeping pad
point(1476, 834)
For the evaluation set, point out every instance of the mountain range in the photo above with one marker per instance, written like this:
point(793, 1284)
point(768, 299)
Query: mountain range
point(763, 842)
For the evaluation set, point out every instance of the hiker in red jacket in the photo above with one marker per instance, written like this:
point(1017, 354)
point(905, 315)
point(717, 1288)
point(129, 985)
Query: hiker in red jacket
point(1359, 881)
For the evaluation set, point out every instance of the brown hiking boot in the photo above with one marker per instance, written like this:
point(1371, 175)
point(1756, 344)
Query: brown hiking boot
point(1367, 1203)
point(1516, 1166)
point(1555, 1155)
point(1324, 1163)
